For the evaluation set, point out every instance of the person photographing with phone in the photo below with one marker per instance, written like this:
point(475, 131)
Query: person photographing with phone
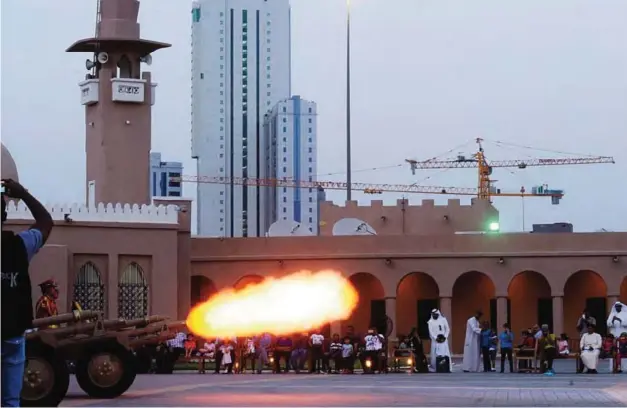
point(17, 303)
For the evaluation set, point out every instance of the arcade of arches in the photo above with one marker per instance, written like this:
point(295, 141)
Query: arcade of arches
point(527, 300)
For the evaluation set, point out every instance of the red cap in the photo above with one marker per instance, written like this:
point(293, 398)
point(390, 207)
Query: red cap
point(48, 283)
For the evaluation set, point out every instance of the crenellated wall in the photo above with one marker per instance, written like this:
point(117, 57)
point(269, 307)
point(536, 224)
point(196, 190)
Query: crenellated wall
point(160, 214)
point(129, 252)
point(405, 219)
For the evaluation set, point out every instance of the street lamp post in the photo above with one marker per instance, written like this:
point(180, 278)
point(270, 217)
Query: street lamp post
point(348, 101)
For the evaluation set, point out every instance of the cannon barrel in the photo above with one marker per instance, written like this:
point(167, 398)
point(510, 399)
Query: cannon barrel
point(151, 339)
point(75, 316)
point(154, 328)
point(113, 324)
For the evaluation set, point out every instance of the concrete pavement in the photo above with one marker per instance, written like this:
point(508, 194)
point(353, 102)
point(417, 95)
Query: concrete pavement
point(403, 390)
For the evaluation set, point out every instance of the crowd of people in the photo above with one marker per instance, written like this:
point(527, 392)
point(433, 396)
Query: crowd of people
point(310, 352)
point(314, 353)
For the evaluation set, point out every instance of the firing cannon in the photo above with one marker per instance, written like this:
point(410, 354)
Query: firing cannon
point(101, 349)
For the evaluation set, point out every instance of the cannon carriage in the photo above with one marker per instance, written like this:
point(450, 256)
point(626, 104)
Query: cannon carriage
point(102, 351)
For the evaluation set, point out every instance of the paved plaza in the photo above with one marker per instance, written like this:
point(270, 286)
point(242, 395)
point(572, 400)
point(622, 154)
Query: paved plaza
point(403, 390)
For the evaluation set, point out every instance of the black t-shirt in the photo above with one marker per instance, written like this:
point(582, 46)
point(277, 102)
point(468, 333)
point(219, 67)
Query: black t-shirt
point(17, 301)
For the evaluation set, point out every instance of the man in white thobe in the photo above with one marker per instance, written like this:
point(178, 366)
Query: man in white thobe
point(438, 325)
point(472, 345)
point(617, 320)
point(590, 346)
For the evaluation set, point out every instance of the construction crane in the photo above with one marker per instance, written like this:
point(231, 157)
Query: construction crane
point(364, 187)
point(485, 189)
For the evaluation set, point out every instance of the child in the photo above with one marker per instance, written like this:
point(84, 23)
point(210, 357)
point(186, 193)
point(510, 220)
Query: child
point(335, 354)
point(206, 352)
point(609, 347)
point(348, 359)
point(227, 359)
point(506, 338)
point(494, 342)
point(562, 346)
point(190, 345)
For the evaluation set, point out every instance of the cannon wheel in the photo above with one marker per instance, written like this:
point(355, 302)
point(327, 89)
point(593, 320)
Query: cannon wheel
point(46, 377)
point(106, 370)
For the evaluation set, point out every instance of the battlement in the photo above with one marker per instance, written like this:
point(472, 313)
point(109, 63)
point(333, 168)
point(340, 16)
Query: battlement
point(405, 218)
point(400, 203)
point(101, 213)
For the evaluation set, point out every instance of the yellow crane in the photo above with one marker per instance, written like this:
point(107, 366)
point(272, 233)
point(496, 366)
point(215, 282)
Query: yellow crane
point(485, 188)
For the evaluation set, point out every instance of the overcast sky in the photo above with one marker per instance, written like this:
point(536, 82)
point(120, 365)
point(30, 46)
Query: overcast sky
point(428, 75)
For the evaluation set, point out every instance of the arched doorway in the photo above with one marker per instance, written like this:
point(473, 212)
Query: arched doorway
point(530, 300)
point(247, 280)
point(585, 290)
point(202, 288)
point(371, 306)
point(416, 295)
point(472, 291)
point(623, 290)
point(132, 293)
point(89, 291)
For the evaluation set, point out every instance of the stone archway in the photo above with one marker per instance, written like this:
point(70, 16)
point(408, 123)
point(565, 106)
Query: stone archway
point(416, 295)
point(472, 291)
point(529, 293)
point(246, 280)
point(371, 300)
point(202, 288)
point(584, 289)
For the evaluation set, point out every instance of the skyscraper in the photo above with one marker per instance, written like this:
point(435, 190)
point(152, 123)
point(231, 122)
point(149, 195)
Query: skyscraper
point(290, 134)
point(161, 173)
point(240, 69)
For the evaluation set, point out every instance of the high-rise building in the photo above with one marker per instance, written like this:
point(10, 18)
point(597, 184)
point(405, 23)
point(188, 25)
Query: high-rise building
point(290, 133)
point(161, 174)
point(240, 69)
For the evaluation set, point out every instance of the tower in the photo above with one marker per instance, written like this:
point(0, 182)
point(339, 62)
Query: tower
point(118, 98)
point(240, 70)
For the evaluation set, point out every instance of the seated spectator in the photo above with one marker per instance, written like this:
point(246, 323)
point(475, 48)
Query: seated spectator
point(609, 347)
point(547, 349)
point(348, 355)
point(563, 348)
point(299, 352)
point(189, 345)
point(204, 353)
point(282, 351)
point(334, 354)
point(526, 349)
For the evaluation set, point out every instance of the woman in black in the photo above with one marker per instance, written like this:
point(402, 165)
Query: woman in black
point(415, 344)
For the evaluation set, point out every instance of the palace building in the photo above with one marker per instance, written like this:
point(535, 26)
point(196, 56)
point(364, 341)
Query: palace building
point(129, 260)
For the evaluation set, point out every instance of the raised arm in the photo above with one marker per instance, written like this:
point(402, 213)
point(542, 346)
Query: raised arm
point(43, 219)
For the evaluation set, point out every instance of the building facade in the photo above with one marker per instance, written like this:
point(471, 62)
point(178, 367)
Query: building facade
point(240, 69)
point(161, 174)
point(290, 130)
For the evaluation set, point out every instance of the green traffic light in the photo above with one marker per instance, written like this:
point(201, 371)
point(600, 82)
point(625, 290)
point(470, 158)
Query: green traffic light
point(494, 226)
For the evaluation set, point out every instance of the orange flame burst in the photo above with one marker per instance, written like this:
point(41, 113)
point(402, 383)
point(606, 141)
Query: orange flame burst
point(297, 302)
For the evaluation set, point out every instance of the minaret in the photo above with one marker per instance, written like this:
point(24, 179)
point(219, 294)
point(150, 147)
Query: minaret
point(118, 99)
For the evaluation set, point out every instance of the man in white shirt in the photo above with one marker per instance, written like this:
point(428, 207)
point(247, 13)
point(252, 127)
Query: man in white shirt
point(374, 345)
point(316, 354)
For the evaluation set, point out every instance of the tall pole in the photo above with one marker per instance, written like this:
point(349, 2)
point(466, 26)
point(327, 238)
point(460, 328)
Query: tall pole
point(348, 101)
